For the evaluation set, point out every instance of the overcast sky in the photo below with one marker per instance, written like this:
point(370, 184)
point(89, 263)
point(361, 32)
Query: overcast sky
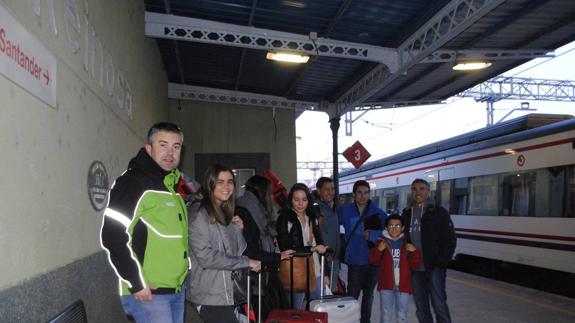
point(390, 131)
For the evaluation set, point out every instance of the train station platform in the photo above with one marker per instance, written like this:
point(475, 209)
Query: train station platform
point(474, 299)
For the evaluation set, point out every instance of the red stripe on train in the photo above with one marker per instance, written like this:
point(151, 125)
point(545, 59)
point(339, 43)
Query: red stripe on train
point(518, 234)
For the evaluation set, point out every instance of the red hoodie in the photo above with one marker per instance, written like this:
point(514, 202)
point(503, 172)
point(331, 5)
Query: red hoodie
point(407, 263)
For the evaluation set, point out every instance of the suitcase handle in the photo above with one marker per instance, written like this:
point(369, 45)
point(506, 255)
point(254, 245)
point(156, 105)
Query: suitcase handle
point(259, 316)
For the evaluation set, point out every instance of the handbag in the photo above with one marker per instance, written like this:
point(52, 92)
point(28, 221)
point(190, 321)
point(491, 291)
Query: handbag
point(300, 272)
point(240, 280)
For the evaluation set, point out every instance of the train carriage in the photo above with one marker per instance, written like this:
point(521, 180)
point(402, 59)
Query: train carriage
point(510, 188)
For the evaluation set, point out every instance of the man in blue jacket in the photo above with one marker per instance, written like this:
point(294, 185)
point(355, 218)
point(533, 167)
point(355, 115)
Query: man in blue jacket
point(360, 221)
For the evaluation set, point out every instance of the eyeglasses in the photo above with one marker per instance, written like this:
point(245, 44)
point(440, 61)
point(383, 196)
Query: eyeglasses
point(394, 226)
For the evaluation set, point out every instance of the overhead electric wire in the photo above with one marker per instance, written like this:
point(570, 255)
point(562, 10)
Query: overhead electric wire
point(544, 61)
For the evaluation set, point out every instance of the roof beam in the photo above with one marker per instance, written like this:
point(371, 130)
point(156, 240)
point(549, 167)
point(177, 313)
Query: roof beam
point(176, 47)
point(332, 24)
point(442, 56)
point(368, 106)
point(206, 94)
point(492, 31)
point(206, 31)
point(449, 22)
point(242, 58)
point(337, 18)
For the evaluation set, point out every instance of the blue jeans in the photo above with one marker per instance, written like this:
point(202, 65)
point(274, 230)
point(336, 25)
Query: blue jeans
point(164, 308)
point(298, 298)
point(393, 301)
point(429, 285)
point(362, 278)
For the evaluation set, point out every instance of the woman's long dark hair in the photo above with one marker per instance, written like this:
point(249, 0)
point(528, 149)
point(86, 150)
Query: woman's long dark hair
point(261, 187)
point(220, 213)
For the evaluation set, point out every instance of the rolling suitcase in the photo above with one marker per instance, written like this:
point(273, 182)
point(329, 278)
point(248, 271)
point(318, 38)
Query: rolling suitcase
point(287, 316)
point(340, 309)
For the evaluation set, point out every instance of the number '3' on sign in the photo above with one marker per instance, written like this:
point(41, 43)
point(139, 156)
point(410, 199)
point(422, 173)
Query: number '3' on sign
point(356, 154)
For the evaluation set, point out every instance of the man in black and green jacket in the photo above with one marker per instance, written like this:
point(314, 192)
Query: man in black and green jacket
point(145, 230)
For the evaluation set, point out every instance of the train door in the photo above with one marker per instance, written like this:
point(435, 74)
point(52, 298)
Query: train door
point(390, 201)
point(444, 187)
point(432, 177)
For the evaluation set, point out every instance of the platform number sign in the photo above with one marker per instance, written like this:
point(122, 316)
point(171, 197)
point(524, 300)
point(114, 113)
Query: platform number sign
point(356, 154)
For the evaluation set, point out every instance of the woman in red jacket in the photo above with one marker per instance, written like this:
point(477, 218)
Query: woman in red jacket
point(396, 259)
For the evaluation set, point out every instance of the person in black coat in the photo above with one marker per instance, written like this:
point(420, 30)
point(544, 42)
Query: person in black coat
point(255, 208)
point(298, 229)
point(430, 229)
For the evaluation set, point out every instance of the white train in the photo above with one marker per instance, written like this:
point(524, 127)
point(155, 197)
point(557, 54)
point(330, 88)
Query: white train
point(510, 188)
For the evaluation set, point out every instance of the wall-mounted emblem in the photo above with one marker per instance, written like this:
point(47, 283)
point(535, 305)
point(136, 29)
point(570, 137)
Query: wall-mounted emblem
point(98, 185)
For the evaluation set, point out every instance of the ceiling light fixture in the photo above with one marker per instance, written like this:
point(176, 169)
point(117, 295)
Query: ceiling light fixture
point(470, 66)
point(288, 57)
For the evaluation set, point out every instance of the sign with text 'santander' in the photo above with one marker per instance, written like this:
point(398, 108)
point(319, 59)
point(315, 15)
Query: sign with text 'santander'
point(356, 154)
point(25, 61)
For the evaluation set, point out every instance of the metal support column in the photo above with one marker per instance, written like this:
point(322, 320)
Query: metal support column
point(334, 126)
point(489, 112)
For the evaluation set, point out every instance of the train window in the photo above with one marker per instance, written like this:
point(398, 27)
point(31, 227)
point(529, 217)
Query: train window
point(483, 195)
point(460, 193)
point(345, 199)
point(551, 198)
point(404, 197)
point(554, 192)
point(376, 200)
point(570, 192)
point(518, 194)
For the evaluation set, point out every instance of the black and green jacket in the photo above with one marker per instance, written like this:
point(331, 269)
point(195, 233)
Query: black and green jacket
point(145, 228)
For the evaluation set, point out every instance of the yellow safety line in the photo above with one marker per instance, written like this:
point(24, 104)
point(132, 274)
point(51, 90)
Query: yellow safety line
point(511, 295)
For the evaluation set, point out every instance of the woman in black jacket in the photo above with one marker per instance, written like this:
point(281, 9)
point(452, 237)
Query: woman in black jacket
point(298, 229)
point(255, 208)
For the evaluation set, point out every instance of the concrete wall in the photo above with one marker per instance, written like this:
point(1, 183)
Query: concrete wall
point(110, 87)
point(221, 128)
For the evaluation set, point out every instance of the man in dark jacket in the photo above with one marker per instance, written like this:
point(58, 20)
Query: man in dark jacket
point(329, 226)
point(430, 229)
point(145, 230)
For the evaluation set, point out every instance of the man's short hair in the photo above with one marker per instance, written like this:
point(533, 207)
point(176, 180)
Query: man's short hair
point(321, 181)
point(422, 181)
point(164, 126)
point(394, 216)
point(359, 183)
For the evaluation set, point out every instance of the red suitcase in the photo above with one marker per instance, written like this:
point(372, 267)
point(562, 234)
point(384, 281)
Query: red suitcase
point(285, 316)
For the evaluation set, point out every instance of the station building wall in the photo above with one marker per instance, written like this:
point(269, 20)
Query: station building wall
point(110, 87)
point(217, 128)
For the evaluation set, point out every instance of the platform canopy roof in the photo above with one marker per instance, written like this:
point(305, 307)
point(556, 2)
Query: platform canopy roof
point(362, 52)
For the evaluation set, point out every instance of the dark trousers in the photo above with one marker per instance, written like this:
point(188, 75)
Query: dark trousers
point(429, 285)
point(362, 278)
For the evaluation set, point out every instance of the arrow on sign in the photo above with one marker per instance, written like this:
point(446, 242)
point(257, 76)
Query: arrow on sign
point(46, 76)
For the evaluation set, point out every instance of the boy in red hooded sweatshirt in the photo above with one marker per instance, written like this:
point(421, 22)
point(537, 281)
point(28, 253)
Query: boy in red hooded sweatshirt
point(396, 259)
